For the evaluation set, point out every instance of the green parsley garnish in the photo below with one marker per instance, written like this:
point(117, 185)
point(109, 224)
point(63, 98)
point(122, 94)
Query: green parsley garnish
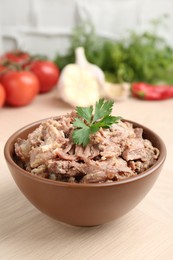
point(91, 119)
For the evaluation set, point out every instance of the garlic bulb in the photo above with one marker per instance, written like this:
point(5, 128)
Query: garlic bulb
point(81, 60)
point(80, 84)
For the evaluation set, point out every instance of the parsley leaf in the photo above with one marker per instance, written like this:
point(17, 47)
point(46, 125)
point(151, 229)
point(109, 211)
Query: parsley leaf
point(102, 109)
point(105, 122)
point(79, 123)
point(81, 136)
point(85, 112)
point(88, 123)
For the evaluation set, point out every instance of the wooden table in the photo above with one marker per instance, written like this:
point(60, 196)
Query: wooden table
point(145, 233)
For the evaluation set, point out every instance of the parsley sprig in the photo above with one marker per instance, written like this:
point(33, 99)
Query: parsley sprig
point(91, 119)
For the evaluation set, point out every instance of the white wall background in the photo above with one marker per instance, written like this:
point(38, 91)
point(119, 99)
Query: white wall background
point(44, 26)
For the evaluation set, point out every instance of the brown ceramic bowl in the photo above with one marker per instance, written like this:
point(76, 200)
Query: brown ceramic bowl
point(84, 204)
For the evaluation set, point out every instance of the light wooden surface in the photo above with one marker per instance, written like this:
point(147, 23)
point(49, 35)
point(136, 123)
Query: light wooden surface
point(145, 233)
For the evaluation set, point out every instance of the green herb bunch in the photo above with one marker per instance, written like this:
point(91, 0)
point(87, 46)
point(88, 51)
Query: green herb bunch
point(138, 57)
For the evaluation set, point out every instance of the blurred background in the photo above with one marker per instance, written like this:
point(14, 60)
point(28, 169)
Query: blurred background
point(42, 26)
point(129, 40)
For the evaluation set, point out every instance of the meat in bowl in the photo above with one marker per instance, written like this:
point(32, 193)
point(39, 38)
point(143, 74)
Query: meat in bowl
point(113, 153)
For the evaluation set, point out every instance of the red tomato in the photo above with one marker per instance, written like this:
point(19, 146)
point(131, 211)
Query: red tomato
point(2, 95)
point(2, 71)
point(17, 56)
point(21, 87)
point(47, 73)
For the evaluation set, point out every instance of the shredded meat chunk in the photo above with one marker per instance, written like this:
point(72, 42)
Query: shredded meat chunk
point(113, 154)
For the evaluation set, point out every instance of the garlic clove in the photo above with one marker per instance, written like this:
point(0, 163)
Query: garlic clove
point(116, 91)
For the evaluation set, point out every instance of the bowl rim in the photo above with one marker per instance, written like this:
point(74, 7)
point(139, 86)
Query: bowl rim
point(11, 162)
